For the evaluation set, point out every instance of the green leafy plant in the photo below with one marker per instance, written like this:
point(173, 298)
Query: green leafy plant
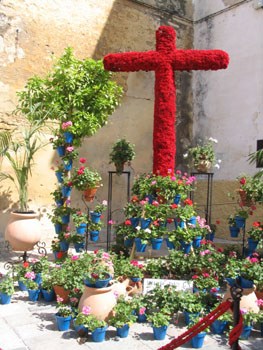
point(132, 209)
point(95, 226)
point(242, 212)
point(203, 151)
point(159, 319)
point(21, 269)
point(63, 310)
point(249, 317)
point(194, 319)
point(77, 238)
point(30, 283)
point(78, 217)
point(84, 177)
point(7, 284)
point(190, 302)
point(205, 281)
point(70, 155)
point(47, 283)
point(57, 194)
point(97, 271)
point(122, 313)
point(134, 269)
point(122, 152)
point(255, 232)
point(126, 229)
point(99, 208)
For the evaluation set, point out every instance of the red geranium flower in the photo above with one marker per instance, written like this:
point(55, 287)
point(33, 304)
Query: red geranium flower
point(256, 224)
point(70, 183)
point(188, 201)
point(242, 181)
point(128, 222)
point(174, 206)
point(82, 160)
point(60, 254)
point(194, 277)
point(218, 222)
point(26, 264)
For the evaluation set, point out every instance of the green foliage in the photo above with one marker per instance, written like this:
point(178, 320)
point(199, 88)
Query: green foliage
point(132, 209)
point(99, 208)
point(159, 319)
point(203, 151)
point(63, 310)
point(76, 91)
point(122, 313)
point(92, 226)
point(85, 177)
point(30, 284)
point(156, 268)
point(78, 217)
point(190, 302)
point(46, 282)
point(7, 284)
point(126, 229)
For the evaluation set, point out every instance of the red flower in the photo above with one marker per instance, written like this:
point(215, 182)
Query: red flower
point(80, 172)
point(156, 223)
point(170, 221)
point(79, 212)
point(253, 207)
point(101, 216)
point(128, 222)
point(218, 222)
point(251, 213)
point(60, 254)
point(82, 160)
point(174, 206)
point(256, 224)
point(179, 182)
point(202, 242)
point(70, 183)
point(220, 250)
point(194, 277)
point(96, 251)
point(242, 181)
point(188, 201)
point(26, 264)
point(134, 199)
point(206, 275)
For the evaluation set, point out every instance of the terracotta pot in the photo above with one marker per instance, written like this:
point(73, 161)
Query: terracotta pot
point(203, 166)
point(101, 301)
point(89, 193)
point(60, 291)
point(23, 231)
point(121, 287)
point(259, 296)
point(248, 299)
point(119, 168)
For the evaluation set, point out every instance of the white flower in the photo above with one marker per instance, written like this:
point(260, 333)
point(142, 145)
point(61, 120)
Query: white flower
point(217, 166)
point(185, 155)
point(138, 228)
point(213, 140)
point(148, 230)
point(219, 161)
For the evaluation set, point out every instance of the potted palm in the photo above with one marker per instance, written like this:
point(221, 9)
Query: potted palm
point(122, 152)
point(23, 230)
point(86, 180)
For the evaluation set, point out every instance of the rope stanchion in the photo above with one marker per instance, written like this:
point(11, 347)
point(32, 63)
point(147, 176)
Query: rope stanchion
point(200, 326)
point(236, 332)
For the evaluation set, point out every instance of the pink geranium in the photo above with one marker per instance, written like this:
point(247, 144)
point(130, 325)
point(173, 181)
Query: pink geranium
point(142, 310)
point(86, 310)
point(65, 125)
point(82, 160)
point(74, 257)
point(70, 149)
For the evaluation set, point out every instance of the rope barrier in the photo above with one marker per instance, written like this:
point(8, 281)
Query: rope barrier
point(203, 324)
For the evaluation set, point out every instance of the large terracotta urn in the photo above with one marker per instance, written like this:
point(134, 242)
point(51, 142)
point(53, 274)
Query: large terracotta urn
point(101, 301)
point(23, 231)
point(248, 299)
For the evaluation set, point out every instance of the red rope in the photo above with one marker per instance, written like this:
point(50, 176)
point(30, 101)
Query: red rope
point(201, 325)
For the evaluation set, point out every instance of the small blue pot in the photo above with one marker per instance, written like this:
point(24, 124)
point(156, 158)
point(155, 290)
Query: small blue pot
point(234, 231)
point(145, 223)
point(88, 283)
point(94, 235)
point(186, 246)
point(141, 318)
point(33, 294)
point(246, 332)
point(63, 322)
point(61, 151)
point(59, 202)
point(38, 278)
point(134, 221)
point(68, 165)
point(22, 286)
point(230, 281)
point(178, 223)
point(123, 331)
point(64, 246)
point(192, 221)
point(95, 217)
point(81, 229)
point(246, 283)
point(196, 242)
point(68, 137)
point(139, 246)
point(177, 198)
point(188, 314)
point(252, 245)
point(218, 326)
point(66, 190)
point(198, 340)
point(169, 244)
point(80, 328)
point(103, 283)
point(65, 219)
point(48, 296)
point(4, 298)
point(240, 222)
point(210, 236)
point(58, 228)
point(128, 242)
point(79, 247)
point(156, 243)
point(98, 335)
point(59, 176)
point(159, 333)
point(135, 279)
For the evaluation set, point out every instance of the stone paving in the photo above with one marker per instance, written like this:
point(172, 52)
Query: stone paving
point(26, 325)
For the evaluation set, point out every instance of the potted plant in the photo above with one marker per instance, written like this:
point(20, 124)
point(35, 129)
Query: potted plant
point(70, 154)
point(241, 214)
point(233, 228)
point(78, 240)
point(94, 230)
point(32, 286)
point(255, 235)
point(97, 276)
point(86, 180)
point(122, 152)
point(122, 317)
point(97, 212)
point(20, 155)
point(218, 326)
point(133, 211)
point(6, 288)
point(80, 220)
point(97, 327)
point(247, 189)
point(82, 320)
point(249, 317)
point(160, 322)
point(47, 287)
point(190, 304)
point(20, 271)
point(127, 231)
point(134, 271)
point(63, 315)
point(205, 282)
point(203, 155)
point(58, 143)
point(198, 340)
point(139, 305)
point(57, 196)
point(143, 187)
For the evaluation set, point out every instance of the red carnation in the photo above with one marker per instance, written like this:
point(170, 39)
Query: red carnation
point(128, 222)
point(82, 160)
point(220, 250)
point(242, 181)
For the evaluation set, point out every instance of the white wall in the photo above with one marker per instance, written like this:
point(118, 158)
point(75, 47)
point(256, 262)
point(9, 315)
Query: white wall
point(228, 104)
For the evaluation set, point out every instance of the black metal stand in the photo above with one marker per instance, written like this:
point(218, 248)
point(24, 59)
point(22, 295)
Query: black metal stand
point(87, 228)
point(208, 207)
point(236, 293)
point(128, 173)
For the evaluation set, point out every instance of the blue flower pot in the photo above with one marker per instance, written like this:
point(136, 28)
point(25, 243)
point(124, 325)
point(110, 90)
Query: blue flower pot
point(135, 279)
point(128, 242)
point(94, 235)
point(59, 176)
point(68, 137)
point(218, 326)
point(188, 314)
point(79, 246)
point(141, 318)
point(177, 198)
point(178, 223)
point(103, 283)
point(81, 229)
point(68, 165)
point(210, 236)
point(156, 243)
point(88, 283)
point(66, 190)
point(63, 322)
point(95, 217)
point(48, 296)
point(64, 246)
point(22, 286)
point(139, 246)
point(234, 231)
point(246, 283)
point(159, 333)
point(192, 221)
point(252, 245)
point(80, 329)
point(59, 202)
point(169, 244)
point(240, 222)
point(38, 278)
point(98, 335)
point(58, 228)
point(230, 281)
point(61, 151)
point(134, 221)
point(196, 242)
point(198, 340)
point(65, 219)
point(246, 332)
point(33, 294)
point(186, 246)
point(145, 223)
point(4, 298)
point(123, 331)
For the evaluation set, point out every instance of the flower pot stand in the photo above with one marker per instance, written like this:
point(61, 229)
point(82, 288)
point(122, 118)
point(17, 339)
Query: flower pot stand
point(248, 299)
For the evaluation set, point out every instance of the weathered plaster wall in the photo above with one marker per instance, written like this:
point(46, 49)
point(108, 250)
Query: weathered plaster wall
point(32, 30)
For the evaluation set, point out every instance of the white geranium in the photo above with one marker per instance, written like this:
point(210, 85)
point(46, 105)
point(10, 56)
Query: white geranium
point(213, 140)
point(185, 155)
point(148, 230)
point(138, 228)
